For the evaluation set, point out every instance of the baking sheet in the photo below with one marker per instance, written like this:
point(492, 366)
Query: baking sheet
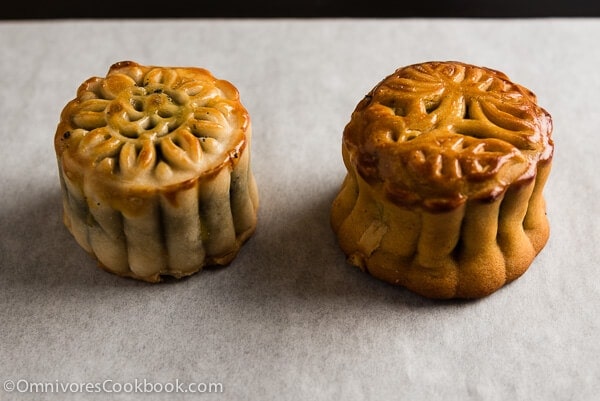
point(289, 319)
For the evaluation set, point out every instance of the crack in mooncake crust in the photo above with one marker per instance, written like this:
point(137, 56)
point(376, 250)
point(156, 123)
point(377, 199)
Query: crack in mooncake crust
point(438, 133)
point(153, 125)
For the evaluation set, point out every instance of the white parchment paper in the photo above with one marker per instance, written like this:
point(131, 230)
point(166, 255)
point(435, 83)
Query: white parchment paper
point(289, 319)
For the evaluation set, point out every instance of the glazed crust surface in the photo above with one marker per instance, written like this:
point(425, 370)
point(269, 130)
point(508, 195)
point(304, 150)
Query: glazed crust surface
point(439, 133)
point(153, 126)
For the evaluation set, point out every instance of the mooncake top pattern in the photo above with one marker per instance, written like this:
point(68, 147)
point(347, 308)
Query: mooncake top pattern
point(152, 125)
point(438, 133)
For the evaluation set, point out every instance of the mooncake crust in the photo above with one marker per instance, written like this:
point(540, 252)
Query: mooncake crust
point(446, 164)
point(154, 163)
point(439, 133)
point(154, 126)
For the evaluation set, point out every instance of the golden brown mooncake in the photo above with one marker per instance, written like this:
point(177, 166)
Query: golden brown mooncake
point(154, 166)
point(446, 164)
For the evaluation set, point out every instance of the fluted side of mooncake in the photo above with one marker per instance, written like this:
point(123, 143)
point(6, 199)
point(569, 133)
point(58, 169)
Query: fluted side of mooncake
point(174, 232)
point(467, 252)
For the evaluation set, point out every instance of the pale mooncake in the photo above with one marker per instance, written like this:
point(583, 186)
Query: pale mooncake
point(446, 163)
point(154, 166)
